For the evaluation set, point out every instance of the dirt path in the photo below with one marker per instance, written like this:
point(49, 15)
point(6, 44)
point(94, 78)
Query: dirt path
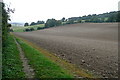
point(26, 67)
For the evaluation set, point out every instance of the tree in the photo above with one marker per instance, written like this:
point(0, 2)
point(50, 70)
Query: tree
point(111, 18)
point(52, 23)
point(118, 16)
point(40, 22)
point(5, 26)
point(5, 18)
point(63, 19)
point(70, 21)
point(33, 23)
point(58, 22)
point(26, 24)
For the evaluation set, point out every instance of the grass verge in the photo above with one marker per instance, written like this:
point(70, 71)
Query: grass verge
point(11, 63)
point(77, 71)
point(44, 67)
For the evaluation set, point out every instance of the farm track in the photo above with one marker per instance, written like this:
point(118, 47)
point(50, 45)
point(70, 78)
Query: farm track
point(92, 46)
point(26, 67)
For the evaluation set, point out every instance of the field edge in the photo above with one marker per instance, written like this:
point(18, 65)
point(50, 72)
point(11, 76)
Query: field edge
point(71, 67)
point(34, 59)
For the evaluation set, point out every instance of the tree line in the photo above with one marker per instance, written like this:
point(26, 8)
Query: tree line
point(113, 16)
point(98, 18)
point(34, 23)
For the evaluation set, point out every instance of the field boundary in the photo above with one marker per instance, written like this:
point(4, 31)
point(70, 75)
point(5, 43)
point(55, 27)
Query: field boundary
point(12, 64)
point(29, 71)
point(71, 67)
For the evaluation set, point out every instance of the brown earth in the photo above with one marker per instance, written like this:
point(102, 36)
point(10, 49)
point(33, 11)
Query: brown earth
point(92, 46)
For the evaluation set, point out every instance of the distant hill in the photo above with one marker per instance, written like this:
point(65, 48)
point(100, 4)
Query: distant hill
point(17, 24)
point(105, 17)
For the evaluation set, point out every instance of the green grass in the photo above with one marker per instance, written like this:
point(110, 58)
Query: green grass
point(11, 63)
point(0, 57)
point(21, 28)
point(44, 67)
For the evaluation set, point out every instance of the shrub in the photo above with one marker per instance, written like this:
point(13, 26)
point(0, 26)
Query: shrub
point(39, 28)
point(32, 29)
point(27, 29)
point(11, 30)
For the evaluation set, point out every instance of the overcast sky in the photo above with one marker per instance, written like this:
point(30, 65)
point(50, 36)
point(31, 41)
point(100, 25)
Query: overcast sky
point(34, 10)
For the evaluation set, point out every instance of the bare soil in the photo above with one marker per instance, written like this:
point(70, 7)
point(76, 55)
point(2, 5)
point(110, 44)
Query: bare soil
point(92, 46)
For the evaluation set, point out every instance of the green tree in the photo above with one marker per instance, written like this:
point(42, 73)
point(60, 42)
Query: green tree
point(118, 16)
point(58, 22)
point(63, 19)
point(5, 18)
point(70, 21)
point(33, 23)
point(50, 23)
point(26, 24)
point(112, 18)
point(40, 22)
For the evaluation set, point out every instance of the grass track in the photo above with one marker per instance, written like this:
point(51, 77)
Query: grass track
point(11, 63)
point(44, 67)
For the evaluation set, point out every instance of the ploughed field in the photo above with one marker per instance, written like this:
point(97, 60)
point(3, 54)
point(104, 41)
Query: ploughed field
point(91, 46)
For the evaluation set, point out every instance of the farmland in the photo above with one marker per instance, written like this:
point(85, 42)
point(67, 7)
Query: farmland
point(21, 28)
point(91, 46)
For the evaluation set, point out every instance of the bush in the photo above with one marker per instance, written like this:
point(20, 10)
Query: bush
point(39, 28)
point(27, 30)
point(32, 29)
point(11, 30)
